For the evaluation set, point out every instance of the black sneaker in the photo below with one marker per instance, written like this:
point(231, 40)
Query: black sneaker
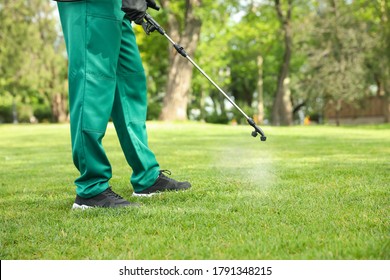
point(107, 199)
point(163, 184)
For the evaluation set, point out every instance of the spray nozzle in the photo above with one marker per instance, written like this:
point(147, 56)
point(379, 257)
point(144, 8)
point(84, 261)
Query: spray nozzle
point(257, 130)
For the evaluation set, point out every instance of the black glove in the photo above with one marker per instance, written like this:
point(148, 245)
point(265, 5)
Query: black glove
point(135, 9)
point(152, 4)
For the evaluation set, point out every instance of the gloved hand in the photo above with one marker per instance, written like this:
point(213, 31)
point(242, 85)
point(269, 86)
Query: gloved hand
point(152, 4)
point(135, 9)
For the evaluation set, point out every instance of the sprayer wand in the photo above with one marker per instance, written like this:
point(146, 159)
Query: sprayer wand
point(150, 25)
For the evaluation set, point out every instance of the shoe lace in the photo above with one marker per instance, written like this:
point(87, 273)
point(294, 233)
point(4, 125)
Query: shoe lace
point(168, 172)
point(111, 193)
point(165, 171)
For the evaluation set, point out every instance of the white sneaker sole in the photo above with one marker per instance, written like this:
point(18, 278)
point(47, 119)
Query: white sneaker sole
point(81, 207)
point(157, 193)
point(145, 194)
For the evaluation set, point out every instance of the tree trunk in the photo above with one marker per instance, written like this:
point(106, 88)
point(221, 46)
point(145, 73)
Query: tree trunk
point(386, 77)
point(14, 110)
point(338, 110)
point(58, 108)
point(386, 109)
point(180, 70)
point(282, 107)
point(260, 98)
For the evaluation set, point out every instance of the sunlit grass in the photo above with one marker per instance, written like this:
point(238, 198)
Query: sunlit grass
point(306, 193)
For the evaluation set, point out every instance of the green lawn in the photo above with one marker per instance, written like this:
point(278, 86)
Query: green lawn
point(307, 193)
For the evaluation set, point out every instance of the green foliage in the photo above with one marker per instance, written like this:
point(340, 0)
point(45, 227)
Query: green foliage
point(216, 118)
point(5, 114)
point(154, 110)
point(338, 54)
point(292, 197)
point(255, 35)
point(340, 43)
point(238, 117)
point(32, 64)
point(154, 53)
point(42, 113)
point(213, 55)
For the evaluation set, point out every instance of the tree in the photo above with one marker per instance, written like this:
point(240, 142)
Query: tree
point(254, 44)
point(336, 68)
point(15, 28)
point(154, 53)
point(32, 65)
point(282, 108)
point(213, 57)
point(51, 74)
point(385, 20)
point(378, 61)
point(185, 33)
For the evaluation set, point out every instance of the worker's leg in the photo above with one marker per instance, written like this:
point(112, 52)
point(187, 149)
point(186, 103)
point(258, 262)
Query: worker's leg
point(129, 112)
point(92, 31)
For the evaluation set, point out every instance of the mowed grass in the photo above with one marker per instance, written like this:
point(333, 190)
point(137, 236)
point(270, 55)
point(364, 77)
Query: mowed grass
point(307, 193)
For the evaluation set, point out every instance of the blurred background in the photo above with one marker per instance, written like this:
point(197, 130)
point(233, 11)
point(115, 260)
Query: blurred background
point(285, 62)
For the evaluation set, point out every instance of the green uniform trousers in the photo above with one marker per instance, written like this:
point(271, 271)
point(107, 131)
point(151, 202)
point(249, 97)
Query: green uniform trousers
point(106, 79)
